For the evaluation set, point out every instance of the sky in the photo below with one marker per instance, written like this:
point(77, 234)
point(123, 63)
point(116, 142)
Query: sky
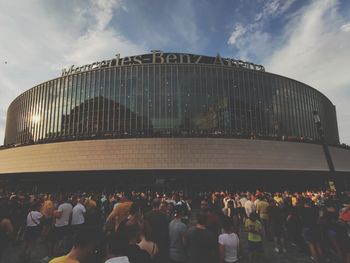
point(301, 39)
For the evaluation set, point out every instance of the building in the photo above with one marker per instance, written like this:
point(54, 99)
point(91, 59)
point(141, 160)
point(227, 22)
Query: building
point(168, 112)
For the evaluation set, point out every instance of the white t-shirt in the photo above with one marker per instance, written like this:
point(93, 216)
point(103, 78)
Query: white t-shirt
point(249, 207)
point(122, 259)
point(66, 209)
point(33, 218)
point(231, 243)
point(78, 214)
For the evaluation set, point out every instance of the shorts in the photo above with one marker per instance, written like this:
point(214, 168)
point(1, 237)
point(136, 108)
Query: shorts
point(32, 233)
point(254, 246)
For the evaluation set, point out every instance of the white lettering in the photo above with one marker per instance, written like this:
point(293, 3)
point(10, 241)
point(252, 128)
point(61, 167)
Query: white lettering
point(157, 55)
point(171, 58)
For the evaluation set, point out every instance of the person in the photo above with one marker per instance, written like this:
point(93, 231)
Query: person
point(276, 219)
point(262, 210)
point(116, 250)
point(78, 214)
point(309, 216)
point(85, 242)
point(119, 213)
point(134, 253)
point(159, 225)
point(254, 228)
point(32, 231)
point(61, 228)
point(146, 243)
point(177, 234)
point(201, 242)
point(47, 210)
point(249, 206)
point(212, 216)
point(228, 243)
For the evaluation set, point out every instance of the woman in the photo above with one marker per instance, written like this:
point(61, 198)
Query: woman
point(228, 243)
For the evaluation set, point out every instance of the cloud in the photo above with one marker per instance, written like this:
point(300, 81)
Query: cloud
point(238, 32)
point(345, 27)
point(39, 38)
point(316, 52)
point(252, 40)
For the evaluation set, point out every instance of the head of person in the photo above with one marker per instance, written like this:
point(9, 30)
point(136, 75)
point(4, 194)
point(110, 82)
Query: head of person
point(204, 206)
point(163, 207)
point(156, 203)
point(133, 233)
point(86, 241)
point(117, 246)
point(227, 225)
point(230, 204)
point(179, 211)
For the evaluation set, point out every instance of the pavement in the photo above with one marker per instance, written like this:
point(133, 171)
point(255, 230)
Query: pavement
point(293, 255)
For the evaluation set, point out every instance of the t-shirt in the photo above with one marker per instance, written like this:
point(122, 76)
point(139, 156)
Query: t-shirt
point(177, 231)
point(230, 243)
point(137, 255)
point(78, 214)
point(63, 259)
point(249, 207)
point(261, 207)
point(66, 209)
point(33, 218)
point(122, 259)
point(201, 246)
point(251, 225)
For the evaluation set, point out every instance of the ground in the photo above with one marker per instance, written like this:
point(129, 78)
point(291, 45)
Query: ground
point(11, 254)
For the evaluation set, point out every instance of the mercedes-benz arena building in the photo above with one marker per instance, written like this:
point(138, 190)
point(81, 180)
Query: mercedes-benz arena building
point(170, 116)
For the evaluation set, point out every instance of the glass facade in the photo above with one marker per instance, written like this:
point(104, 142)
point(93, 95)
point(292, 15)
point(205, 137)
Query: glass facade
point(169, 100)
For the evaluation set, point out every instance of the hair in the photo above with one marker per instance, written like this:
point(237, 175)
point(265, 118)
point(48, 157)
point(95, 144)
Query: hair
point(86, 236)
point(132, 231)
point(156, 203)
point(117, 245)
point(134, 208)
point(227, 224)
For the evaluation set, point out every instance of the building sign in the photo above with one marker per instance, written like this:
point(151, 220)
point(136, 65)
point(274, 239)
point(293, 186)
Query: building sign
point(158, 57)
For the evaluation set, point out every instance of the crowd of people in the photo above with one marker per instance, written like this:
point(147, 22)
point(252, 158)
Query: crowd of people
point(172, 227)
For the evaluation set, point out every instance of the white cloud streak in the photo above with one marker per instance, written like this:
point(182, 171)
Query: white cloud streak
point(318, 53)
point(237, 33)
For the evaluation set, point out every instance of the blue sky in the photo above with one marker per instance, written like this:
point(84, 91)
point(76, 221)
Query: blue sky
point(305, 40)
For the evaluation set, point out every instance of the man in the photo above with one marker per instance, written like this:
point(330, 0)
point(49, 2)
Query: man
point(249, 206)
point(84, 244)
point(262, 210)
point(78, 214)
point(159, 225)
point(212, 219)
point(201, 243)
point(177, 233)
point(62, 216)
